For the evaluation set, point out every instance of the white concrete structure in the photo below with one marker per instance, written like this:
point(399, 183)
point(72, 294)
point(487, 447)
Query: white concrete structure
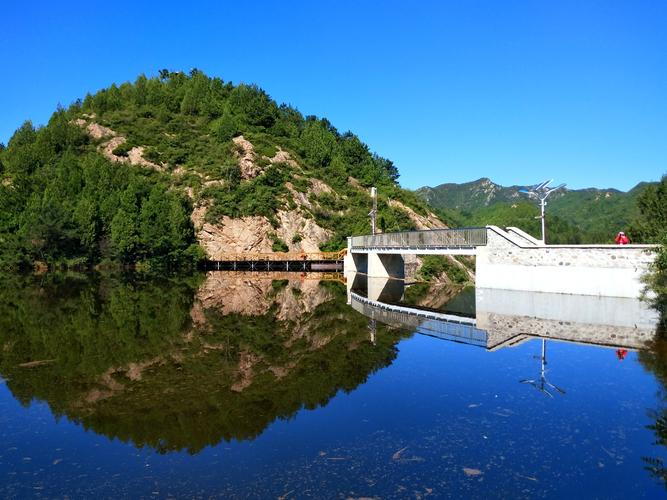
point(507, 318)
point(511, 260)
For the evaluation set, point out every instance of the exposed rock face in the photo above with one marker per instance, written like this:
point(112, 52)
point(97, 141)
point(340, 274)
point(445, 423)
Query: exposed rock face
point(252, 235)
point(301, 199)
point(135, 156)
point(247, 235)
point(245, 153)
point(317, 187)
point(255, 234)
point(429, 222)
point(283, 157)
point(95, 130)
point(293, 223)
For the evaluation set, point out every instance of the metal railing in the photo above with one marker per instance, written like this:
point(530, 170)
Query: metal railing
point(439, 325)
point(429, 239)
point(280, 256)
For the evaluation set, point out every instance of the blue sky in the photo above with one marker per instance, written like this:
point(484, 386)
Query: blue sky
point(516, 91)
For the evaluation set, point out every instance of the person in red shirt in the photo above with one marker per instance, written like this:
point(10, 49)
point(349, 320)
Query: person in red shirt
point(622, 239)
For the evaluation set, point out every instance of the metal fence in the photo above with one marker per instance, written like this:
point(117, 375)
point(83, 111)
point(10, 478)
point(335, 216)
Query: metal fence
point(428, 239)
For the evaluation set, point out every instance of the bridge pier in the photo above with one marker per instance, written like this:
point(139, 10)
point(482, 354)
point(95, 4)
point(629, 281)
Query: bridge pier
point(375, 264)
point(386, 265)
point(356, 263)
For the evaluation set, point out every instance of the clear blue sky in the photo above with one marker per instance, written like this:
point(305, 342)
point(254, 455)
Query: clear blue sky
point(450, 91)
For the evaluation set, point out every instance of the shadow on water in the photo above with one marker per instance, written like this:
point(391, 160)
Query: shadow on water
point(180, 364)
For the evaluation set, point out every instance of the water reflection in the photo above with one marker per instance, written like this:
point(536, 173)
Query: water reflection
point(503, 318)
point(506, 318)
point(182, 364)
point(541, 383)
point(654, 359)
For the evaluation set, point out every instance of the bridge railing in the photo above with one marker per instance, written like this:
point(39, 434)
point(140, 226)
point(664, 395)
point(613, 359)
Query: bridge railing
point(422, 322)
point(428, 239)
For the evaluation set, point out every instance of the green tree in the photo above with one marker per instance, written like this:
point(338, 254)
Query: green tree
point(226, 127)
point(651, 225)
point(253, 106)
point(317, 143)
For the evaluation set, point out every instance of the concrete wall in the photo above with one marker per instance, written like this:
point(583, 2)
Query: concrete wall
point(606, 270)
point(514, 260)
point(511, 316)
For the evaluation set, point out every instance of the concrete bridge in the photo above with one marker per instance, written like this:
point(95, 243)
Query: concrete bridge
point(510, 259)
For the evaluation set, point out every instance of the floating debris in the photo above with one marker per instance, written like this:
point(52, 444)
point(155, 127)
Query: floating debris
point(397, 455)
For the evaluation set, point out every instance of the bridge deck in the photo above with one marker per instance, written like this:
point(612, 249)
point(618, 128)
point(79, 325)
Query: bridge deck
point(462, 241)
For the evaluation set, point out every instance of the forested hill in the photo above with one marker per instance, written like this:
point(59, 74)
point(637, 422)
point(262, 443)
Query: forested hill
point(577, 216)
point(173, 168)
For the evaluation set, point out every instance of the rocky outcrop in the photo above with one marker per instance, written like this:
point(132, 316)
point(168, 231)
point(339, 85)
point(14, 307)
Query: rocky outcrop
point(318, 187)
point(110, 140)
point(294, 223)
point(245, 235)
point(255, 234)
point(430, 221)
point(247, 158)
point(245, 153)
point(284, 158)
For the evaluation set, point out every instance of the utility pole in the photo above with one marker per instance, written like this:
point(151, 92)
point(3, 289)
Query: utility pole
point(540, 192)
point(373, 213)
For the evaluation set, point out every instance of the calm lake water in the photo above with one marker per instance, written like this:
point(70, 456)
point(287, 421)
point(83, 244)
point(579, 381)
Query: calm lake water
point(267, 386)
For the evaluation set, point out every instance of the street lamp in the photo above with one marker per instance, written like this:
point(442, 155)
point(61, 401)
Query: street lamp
point(540, 192)
point(373, 213)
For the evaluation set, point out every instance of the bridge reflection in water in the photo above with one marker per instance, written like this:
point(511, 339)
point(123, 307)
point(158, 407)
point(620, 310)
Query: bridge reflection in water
point(505, 318)
point(443, 326)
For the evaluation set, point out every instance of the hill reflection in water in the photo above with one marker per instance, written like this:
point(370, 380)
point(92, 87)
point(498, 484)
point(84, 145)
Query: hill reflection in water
point(255, 386)
point(183, 364)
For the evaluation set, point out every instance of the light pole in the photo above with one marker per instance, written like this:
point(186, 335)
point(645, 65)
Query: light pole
point(540, 192)
point(373, 213)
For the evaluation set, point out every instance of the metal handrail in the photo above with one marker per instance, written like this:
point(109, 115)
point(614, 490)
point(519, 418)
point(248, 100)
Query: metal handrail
point(422, 322)
point(425, 239)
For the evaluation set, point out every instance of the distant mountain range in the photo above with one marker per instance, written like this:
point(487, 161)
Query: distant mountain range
point(587, 215)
